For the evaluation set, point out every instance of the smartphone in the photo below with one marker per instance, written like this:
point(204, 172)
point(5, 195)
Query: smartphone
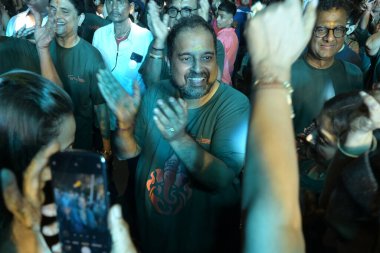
point(79, 180)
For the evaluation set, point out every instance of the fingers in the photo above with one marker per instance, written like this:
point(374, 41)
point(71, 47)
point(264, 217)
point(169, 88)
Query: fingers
point(37, 16)
point(23, 32)
point(121, 238)
point(111, 90)
point(171, 118)
point(49, 210)
point(32, 187)
point(374, 111)
point(309, 18)
point(361, 124)
point(165, 20)
point(136, 94)
point(56, 248)
point(12, 196)
point(50, 230)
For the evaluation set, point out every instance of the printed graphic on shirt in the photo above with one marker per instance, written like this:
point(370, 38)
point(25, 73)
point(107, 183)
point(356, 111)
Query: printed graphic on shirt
point(169, 188)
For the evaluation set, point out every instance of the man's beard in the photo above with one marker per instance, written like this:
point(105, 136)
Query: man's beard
point(195, 92)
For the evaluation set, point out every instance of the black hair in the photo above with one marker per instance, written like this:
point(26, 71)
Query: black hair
point(185, 24)
point(31, 111)
point(341, 110)
point(79, 6)
point(228, 7)
point(353, 8)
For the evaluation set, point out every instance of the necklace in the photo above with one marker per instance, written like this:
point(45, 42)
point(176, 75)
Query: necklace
point(123, 36)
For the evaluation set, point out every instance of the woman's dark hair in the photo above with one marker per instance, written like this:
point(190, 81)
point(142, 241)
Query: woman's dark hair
point(341, 110)
point(185, 24)
point(31, 111)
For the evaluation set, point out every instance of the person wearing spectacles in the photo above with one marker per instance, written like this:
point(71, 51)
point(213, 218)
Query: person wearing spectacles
point(318, 75)
point(185, 12)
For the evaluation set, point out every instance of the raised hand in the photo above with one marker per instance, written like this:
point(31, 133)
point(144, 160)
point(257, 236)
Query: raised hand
point(158, 26)
point(360, 136)
point(43, 35)
point(372, 122)
point(171, 118)
point(286, 34)
point(204, 9)
point(123, 105)
point(23, 32)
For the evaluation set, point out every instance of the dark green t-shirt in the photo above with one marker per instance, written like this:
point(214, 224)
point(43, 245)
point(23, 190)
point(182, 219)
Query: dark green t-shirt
point(18, 54)
point(77, 68)
point(175, 213)
point(312, 87)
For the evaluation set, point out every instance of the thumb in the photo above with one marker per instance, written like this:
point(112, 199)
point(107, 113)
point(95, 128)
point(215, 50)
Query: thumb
point(37, 16)
point(165, 19)
point(121, 238)
point(309, 18)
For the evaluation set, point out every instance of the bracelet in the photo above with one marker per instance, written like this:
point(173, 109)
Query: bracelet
point(158, 49)
point(155, 56)
point(372, 148)
point(277, 85)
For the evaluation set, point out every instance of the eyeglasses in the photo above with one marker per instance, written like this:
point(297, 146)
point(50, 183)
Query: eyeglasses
point(185, 12)
point(321, 31)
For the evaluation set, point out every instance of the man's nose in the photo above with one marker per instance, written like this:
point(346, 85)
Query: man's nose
point(330, 36)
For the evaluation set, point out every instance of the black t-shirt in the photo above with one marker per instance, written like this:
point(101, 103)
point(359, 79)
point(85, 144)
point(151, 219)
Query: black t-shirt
point(90, 24)
point(312, 87)
point(77, 68)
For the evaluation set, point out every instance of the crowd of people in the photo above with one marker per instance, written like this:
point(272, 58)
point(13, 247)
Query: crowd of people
point(244, 126)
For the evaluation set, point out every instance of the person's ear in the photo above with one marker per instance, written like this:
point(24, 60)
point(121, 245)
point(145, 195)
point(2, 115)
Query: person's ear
point(81, 19)
point(131, 8)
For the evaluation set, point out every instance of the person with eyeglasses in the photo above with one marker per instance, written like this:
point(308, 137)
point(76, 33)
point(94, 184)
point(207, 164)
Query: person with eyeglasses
point(317, 75)
point(155, 68)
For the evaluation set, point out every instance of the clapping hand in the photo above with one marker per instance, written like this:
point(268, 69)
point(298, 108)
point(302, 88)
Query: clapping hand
point(123, 105)
point(158, 26)
point(171, 118)
point(43, 35)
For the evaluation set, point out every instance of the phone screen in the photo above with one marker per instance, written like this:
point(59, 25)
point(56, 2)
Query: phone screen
point(80, 194)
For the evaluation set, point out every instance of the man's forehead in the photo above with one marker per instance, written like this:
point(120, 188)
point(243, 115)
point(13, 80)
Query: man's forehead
point(184, 3)
point(62, 3)
point(332, 15)
point(195, 42)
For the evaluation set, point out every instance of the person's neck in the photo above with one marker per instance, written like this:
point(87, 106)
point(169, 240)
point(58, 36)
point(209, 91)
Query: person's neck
point(122, 29)
point(198, 102)
point(319, 63)
point(69, 41)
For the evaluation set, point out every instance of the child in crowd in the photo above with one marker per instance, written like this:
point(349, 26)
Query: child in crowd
point(227, 36)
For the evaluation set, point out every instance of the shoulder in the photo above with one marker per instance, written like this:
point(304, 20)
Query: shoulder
point(102, 31)
point(350, 68)
point(142, 32)
point(231, 97)
point(160, 90)
point(88, 51)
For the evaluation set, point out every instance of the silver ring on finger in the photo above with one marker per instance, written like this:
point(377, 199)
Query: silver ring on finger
point(170, 129)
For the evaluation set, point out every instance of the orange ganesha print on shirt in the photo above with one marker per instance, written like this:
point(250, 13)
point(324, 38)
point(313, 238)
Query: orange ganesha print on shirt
point(169, 188)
